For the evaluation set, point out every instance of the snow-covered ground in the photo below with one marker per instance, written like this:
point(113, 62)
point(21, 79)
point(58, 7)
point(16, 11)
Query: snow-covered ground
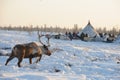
point(73, 60)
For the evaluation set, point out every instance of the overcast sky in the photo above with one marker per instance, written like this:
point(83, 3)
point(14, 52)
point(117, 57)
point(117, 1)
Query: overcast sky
point(101, 13)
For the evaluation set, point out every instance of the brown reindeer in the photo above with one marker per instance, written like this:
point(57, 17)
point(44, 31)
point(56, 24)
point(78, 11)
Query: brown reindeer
point(29, 50)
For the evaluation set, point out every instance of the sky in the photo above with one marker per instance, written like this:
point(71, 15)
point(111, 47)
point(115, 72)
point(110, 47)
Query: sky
point(63, 13)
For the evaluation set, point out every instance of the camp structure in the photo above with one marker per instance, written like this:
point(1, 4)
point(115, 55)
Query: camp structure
point(89, 33)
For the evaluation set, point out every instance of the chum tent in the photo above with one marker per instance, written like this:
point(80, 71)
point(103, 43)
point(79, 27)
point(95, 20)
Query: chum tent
point(90, 32)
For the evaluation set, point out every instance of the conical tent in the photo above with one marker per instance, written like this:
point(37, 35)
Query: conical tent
point(89, 30)
point(89, 33)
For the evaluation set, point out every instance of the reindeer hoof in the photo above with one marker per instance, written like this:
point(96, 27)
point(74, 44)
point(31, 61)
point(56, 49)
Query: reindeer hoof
point(5, 64)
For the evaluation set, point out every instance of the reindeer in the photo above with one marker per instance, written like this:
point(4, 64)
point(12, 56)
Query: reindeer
point(29, 50)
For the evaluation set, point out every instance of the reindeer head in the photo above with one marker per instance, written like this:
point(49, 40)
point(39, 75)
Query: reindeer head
point(46, 50)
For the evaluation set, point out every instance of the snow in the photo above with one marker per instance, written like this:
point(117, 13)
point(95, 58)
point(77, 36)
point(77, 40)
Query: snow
point(71, 60)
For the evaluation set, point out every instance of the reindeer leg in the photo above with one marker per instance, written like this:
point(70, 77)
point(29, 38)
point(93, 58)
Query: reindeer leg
point(9, 59)
point(39, 59)
point(30, 60)
point(20, 59)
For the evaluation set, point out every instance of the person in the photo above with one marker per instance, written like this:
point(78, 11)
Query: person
point(70, 36)
point(74, 35)
point(66, 33)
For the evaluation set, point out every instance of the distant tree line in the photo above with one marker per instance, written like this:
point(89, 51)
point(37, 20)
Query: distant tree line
point(114, 30)
point(57, 29)
point(43, 28)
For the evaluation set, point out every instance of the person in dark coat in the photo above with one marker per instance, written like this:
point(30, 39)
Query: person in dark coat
point(70, 36)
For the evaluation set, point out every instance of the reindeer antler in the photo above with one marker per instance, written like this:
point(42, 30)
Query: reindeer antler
point(39, 36)
point(47, 36)
point(48, 39)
